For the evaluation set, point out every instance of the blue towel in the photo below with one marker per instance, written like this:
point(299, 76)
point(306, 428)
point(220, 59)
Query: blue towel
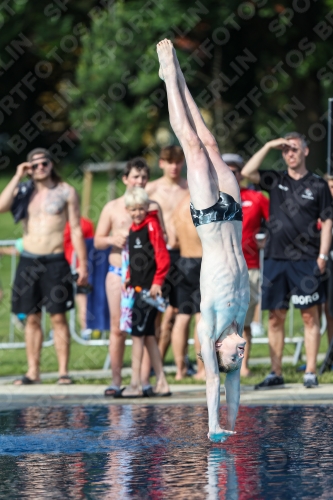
point(98, 315)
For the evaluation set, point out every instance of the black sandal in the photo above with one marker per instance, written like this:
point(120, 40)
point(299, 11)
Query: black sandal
point(65, 377)
point(113, 392)
point(25, 381)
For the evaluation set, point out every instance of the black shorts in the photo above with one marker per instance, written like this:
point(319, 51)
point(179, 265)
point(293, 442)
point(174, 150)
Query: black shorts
point(174, 277)
point(42, 281)
point(298, 281)
point(188, 290)
point(143, 318)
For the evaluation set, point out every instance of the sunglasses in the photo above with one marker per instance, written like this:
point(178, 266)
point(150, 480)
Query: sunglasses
point(286, 149)
point(44, 163)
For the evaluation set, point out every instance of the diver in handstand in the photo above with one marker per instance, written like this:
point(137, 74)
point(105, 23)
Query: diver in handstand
point(217, 214)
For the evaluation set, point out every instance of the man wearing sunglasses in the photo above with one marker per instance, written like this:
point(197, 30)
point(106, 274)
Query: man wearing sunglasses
point(296, 250)
point(43, 276)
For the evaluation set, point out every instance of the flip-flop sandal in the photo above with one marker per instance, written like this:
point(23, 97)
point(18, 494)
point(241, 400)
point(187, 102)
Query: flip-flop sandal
point(162, 394)
point(113, 392)
point(148, 392)
point(65, 377)
point(133, 396)
point(26, 381)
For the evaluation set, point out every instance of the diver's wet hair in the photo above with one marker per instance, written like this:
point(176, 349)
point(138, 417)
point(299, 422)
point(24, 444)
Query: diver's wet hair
point(223, 368)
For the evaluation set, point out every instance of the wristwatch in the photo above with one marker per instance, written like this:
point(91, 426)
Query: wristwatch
point(323, 256)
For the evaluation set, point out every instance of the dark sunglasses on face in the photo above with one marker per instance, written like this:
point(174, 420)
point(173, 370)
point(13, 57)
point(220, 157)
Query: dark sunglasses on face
point(44, 163)
point(286, 149)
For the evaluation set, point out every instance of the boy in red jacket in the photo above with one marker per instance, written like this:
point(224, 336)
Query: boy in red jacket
point(149, 264)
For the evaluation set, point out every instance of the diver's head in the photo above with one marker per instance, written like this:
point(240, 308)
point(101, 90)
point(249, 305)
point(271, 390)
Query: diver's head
point(229, 352)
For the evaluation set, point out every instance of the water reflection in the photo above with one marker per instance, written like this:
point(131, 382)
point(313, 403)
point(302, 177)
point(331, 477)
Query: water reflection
point(161, 452)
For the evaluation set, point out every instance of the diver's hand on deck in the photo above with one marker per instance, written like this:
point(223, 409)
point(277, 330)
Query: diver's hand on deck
point(220, 436)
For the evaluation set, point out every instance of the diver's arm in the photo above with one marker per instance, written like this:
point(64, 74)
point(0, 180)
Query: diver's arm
point(232, 390)
point(208, 353)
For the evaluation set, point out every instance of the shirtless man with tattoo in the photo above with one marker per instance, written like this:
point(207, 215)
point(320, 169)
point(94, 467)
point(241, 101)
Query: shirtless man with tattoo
point(217, 214)
point(116, 220)
point(43, 276)
point(168, 191)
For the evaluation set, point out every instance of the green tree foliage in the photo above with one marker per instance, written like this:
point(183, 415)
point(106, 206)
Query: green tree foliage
point(39, 47)
point(256, 69)
point(252, 67)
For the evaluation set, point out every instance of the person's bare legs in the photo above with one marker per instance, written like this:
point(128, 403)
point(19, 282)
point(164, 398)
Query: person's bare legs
point(310, 318)
point(61, 343)
point(34, 341)
point(245, 371)
point(224, 179)
point(117, 338)
point(167, 324)
point(145, 369)
point(329, 321)
point(276, 322)
point(179, 342)
point(200, 375)
point(163, 337)
point(203, 188)
point(137, 352)
point(81, 302)
point(161, 386)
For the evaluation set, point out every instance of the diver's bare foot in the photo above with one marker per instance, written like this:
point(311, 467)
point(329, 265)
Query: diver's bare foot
point(219, 435)
point(165, 56)
point(201, 375)
point(245, 372)
point(132, 391)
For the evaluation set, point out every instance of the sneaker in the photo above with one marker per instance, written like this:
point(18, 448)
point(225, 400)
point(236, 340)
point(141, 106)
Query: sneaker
point(257, 330)
point(272, 381)
point(190, 370)
point(86, 334)
point(310, 380)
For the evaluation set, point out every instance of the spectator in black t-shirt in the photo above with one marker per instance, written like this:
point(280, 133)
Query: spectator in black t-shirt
point(329, 280)
point(296, 251)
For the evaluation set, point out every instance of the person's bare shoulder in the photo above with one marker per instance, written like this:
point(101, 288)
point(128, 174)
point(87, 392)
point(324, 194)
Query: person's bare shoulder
point(153, 205)
point(68, 191)
point(183, 183)
point(152, 186)
point(111, 208)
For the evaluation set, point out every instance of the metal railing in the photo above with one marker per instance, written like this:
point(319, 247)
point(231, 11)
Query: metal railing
point(13, 344)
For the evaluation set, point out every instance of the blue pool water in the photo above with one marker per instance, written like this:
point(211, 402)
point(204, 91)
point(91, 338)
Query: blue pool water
point(161, 452)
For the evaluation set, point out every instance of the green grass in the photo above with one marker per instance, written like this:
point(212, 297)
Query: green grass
point(13, 361)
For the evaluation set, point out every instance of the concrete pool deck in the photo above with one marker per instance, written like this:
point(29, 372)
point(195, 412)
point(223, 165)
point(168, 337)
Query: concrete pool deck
point(43, 395)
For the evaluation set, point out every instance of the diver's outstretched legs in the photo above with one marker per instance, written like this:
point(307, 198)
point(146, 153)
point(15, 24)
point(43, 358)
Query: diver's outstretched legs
point(203, 189)
point(221, 173)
